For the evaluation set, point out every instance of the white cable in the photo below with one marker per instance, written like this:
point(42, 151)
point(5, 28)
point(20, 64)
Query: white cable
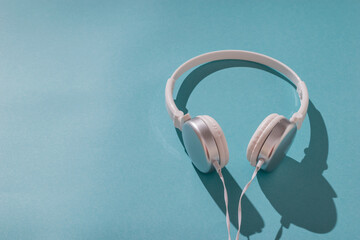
point(257, 168)
point(218, 170)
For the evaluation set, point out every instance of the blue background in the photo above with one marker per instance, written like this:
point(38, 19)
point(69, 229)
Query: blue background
point(89, 152)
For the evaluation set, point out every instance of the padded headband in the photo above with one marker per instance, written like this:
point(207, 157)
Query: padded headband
point(178, 116)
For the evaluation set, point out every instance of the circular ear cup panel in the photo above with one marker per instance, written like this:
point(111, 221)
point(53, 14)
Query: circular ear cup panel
point(260, 136)
point(200, 144)
point(219, 137)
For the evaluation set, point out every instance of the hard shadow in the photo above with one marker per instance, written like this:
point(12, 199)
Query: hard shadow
point(252, 221)
point(298, 190)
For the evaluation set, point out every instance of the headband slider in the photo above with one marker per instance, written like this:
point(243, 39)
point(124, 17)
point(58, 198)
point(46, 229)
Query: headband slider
point(297, 118)
point(180, 119)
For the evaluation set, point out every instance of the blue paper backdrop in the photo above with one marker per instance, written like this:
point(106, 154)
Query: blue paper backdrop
point(87, 148)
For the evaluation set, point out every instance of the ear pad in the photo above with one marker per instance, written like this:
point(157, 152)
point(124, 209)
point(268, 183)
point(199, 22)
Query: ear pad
point(219, 137)
point(204, 140)
point(277, 143)
point(260, 135)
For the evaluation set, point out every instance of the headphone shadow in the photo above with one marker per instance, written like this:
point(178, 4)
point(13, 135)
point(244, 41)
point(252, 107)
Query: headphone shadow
point(298, 191)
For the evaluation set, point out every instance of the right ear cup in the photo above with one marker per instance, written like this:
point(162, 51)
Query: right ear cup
point(259, 137)
point(219, 137)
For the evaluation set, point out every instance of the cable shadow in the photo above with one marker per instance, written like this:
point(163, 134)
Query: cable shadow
point(252, 221)
point(298, 190)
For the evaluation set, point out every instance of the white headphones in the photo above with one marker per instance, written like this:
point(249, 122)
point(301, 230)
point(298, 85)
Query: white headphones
point(204, 139)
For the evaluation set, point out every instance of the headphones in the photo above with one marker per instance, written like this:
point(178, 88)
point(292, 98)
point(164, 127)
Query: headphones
point(205, 141)
point(203, 137)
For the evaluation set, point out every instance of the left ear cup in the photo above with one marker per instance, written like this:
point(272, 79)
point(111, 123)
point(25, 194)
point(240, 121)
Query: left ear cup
point(219, 137)
point(205, 142)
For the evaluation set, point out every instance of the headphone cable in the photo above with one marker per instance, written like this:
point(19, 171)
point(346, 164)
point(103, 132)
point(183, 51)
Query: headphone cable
point(218, 170)
point(257, 168)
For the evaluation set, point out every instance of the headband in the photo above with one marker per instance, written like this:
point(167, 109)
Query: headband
point(178, 116)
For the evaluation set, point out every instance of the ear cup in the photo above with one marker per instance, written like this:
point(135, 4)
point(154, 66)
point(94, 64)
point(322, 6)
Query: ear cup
point(260, 135)
point(277, 143)
point(200, 144)
point(219, 138)
point(257, 134)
